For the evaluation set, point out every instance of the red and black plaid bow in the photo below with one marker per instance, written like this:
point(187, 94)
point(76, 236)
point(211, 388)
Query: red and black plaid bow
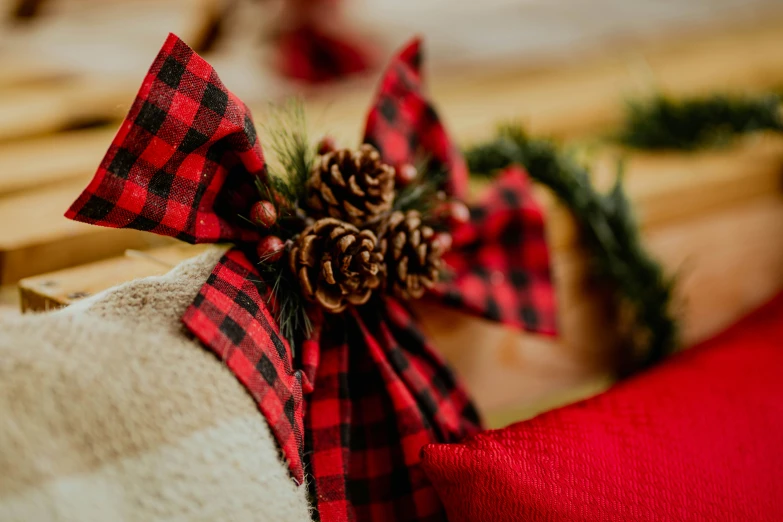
point(367, 390)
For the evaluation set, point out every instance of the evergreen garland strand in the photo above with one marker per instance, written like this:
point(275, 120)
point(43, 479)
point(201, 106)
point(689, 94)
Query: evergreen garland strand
point(608, 229)
point(692, 123)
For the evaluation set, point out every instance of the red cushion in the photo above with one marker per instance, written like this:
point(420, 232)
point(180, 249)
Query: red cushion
point(697, 438)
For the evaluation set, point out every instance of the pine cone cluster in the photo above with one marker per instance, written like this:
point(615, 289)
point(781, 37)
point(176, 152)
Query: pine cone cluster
point(354, 186)
point(337, 264)
point(358, 244)
point(413, 255)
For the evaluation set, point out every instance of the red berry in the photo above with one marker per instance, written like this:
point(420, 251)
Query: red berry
point(326, 145)
point(459, 212)
point(270, 249)
point(406, 173)
point(443, 239)
point(263, 214)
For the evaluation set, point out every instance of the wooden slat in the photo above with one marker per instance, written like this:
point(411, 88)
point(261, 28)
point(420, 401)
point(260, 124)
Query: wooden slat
point(42, 108)
point(38, 162)
point(669, 187)
point(54, 289)
point(568, 102)
point(36, 238)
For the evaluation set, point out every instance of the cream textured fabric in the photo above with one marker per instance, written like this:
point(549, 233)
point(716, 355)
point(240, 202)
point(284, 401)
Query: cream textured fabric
point(110, 412)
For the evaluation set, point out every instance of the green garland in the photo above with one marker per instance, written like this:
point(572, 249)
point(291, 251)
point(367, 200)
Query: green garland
point(609, 231)
point(691, 123)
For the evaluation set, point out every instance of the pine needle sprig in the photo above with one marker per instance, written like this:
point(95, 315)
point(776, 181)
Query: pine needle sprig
point(292, 159)
point(609, 231)
point(662, 122)
point(288, 304)
point(294, 155)
point(422, 193)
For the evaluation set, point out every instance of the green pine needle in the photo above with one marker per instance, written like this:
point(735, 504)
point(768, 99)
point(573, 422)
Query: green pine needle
point(294, 155)
point(665, 123)
point(609, 231)
point(422, 193)
point(292, 161)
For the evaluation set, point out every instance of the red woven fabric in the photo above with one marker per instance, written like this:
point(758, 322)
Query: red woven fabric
point(698, 438)
point(367, 391)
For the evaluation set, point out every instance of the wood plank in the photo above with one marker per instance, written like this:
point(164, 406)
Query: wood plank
point(74, 102)
point(42, 161)
point(54, 289)
point(36, 238)
point(669, 187)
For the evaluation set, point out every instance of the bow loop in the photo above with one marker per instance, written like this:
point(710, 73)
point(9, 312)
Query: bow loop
point(184, 161)
point(499, 260)
point(404, 127)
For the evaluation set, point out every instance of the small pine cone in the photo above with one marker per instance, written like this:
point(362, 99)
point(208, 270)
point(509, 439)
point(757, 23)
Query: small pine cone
point(337, 264)
point(354, 186)
point(413, 255)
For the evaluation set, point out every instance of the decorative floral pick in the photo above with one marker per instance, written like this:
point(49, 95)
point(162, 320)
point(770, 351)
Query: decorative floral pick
point(327, 258)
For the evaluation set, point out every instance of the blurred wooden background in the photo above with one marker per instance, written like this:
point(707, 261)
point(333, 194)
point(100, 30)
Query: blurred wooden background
point(564, 68)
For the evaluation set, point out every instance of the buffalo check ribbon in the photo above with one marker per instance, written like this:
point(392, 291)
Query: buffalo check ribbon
point(367, 390)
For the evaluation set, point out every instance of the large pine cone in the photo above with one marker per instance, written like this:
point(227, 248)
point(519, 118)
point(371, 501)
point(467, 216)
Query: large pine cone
point(413, 255)
point(337, 264)
point(354, 186)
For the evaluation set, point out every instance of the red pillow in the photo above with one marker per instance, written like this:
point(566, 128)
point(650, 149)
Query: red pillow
point(697, 438)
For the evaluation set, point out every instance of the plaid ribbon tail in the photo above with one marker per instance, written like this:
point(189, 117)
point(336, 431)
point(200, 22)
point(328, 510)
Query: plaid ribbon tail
point(184, 161)
point(403, 125)
point(499, 263)
point(229, 315)
point(381, 394)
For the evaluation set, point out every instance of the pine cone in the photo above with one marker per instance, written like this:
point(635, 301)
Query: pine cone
point(354, 186)
point(337, 264)
point(413, 255)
